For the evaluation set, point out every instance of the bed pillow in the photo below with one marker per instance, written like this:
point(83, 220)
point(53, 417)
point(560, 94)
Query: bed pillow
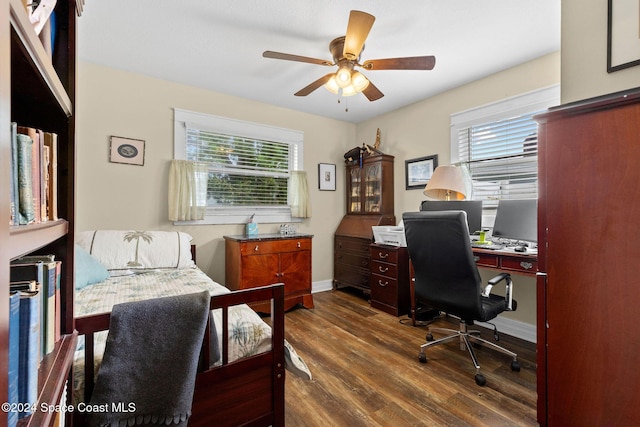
point(88, 270)
point(129, 250)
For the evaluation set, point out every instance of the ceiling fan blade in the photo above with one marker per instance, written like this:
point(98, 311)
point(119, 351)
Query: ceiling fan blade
point(409, 63)
point(313, 86)
point(358, 28)
point(372, 93)
point(297, 58)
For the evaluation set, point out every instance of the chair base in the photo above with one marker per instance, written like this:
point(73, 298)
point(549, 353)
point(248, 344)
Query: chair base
point(466, 338)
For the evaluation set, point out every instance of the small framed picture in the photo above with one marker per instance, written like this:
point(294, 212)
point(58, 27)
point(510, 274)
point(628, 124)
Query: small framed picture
point(126, 150)
point(418, 171)
point(326, 177)
point(623, 34)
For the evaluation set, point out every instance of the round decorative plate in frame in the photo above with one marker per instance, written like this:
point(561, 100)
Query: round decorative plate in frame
point(126, 150)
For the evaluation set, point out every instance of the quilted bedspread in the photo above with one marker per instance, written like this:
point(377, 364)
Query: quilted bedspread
point(248, 333)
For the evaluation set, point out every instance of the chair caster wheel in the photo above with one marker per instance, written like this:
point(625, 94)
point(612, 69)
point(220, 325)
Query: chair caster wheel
point(429, 337)
point(515, 366)
point(480, 380)
point(422, 358)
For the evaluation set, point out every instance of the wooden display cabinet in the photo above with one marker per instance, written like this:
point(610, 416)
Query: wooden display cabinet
point(267, 259)
point(368, 188)
point(369, 195)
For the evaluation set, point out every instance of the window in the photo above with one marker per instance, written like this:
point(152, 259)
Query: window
point(498, 145)
point(249, 165)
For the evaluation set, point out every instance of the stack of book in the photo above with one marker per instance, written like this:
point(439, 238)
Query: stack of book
point(34, 325)
point(34, 175)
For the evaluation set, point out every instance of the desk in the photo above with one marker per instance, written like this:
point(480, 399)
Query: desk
point(507, 260)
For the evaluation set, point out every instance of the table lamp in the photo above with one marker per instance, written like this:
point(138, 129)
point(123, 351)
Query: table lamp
point(446, 183)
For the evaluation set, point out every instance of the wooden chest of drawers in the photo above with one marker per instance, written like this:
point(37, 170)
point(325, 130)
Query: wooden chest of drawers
point(389, 279)
point(351, 262)
point(271, 258)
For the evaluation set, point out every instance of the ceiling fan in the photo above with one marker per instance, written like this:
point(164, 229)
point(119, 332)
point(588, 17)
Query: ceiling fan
point(346, 51)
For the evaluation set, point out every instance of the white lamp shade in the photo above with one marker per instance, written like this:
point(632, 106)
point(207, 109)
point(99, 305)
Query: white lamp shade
point(446, 183)
point(343, 77)
point(332, 85)
point(359, 81)
point(349, 91)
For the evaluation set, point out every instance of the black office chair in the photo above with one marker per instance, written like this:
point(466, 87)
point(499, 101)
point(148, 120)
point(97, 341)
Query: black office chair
point(447, 279)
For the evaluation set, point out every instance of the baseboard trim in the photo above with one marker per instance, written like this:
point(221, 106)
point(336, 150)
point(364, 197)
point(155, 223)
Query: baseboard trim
point(515, 328)
point(322, 286)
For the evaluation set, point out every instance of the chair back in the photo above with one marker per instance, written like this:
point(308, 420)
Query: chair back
point(446, 275)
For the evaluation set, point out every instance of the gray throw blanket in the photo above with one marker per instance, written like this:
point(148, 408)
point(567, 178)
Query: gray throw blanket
point(148, 370)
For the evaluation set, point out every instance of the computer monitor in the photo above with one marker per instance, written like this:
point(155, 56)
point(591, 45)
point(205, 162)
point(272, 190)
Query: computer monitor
point(517, 220)
point(473, 208)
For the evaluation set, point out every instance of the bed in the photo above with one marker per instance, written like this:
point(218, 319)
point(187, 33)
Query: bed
point(241, 376)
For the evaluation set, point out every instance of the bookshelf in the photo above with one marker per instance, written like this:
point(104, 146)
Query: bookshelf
point(37, 89)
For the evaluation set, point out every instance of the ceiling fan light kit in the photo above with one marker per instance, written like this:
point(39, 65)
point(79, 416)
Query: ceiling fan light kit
point(346, 51)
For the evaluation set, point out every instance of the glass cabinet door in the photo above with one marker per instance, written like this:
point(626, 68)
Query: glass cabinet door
point(355, 205)
point(373, 187)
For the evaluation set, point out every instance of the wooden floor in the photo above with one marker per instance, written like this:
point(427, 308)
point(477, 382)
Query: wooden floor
point(366, 372)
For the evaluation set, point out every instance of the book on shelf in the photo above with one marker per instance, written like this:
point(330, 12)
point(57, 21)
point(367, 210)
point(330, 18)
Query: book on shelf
point(24, 285)
point(33, 258)
point(49, 286)
point(25, 212)
point(29, 351)
point(32, 271)
point(51, 141)
point(44, 176)
point(57, 331)
point(45, 272)
point(42, 181)
point(13, 356)
point(36, 168)
point(14, 174)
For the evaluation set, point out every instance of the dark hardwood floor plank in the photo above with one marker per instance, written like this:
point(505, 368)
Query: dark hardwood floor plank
point(366, 372)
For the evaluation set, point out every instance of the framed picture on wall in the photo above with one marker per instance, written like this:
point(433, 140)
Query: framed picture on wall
point(326, 177)
point(126, 150)
point(418, 171)
point(623, 34)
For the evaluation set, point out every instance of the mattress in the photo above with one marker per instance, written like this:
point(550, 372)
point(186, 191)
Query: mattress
point(248, 333)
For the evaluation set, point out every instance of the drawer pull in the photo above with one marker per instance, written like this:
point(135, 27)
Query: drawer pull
point(383, 270)
point(382, 284)
point(299, 244)
point(526, 265)
point(383, 256)
point(256, 248)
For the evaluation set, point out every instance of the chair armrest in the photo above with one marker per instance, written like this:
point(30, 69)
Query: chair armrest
point(508, 291)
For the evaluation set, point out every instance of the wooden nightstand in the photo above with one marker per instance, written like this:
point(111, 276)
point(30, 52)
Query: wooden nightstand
point(389, 279)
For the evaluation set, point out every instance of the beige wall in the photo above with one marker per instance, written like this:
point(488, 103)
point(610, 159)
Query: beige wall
point(116, 196)
point(422, 129)
point(584, 53)
point(118, 103)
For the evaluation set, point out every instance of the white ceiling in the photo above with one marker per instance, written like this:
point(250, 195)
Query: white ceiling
point(218, 45)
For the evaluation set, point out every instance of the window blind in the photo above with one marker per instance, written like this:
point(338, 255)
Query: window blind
point(497, 144)
point(242, 171)
point(502, 158)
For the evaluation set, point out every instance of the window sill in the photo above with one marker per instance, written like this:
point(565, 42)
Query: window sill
point(241, 215)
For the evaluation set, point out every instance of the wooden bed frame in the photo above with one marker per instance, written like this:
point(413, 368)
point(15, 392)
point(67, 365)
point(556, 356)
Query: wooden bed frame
point(249, 391)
